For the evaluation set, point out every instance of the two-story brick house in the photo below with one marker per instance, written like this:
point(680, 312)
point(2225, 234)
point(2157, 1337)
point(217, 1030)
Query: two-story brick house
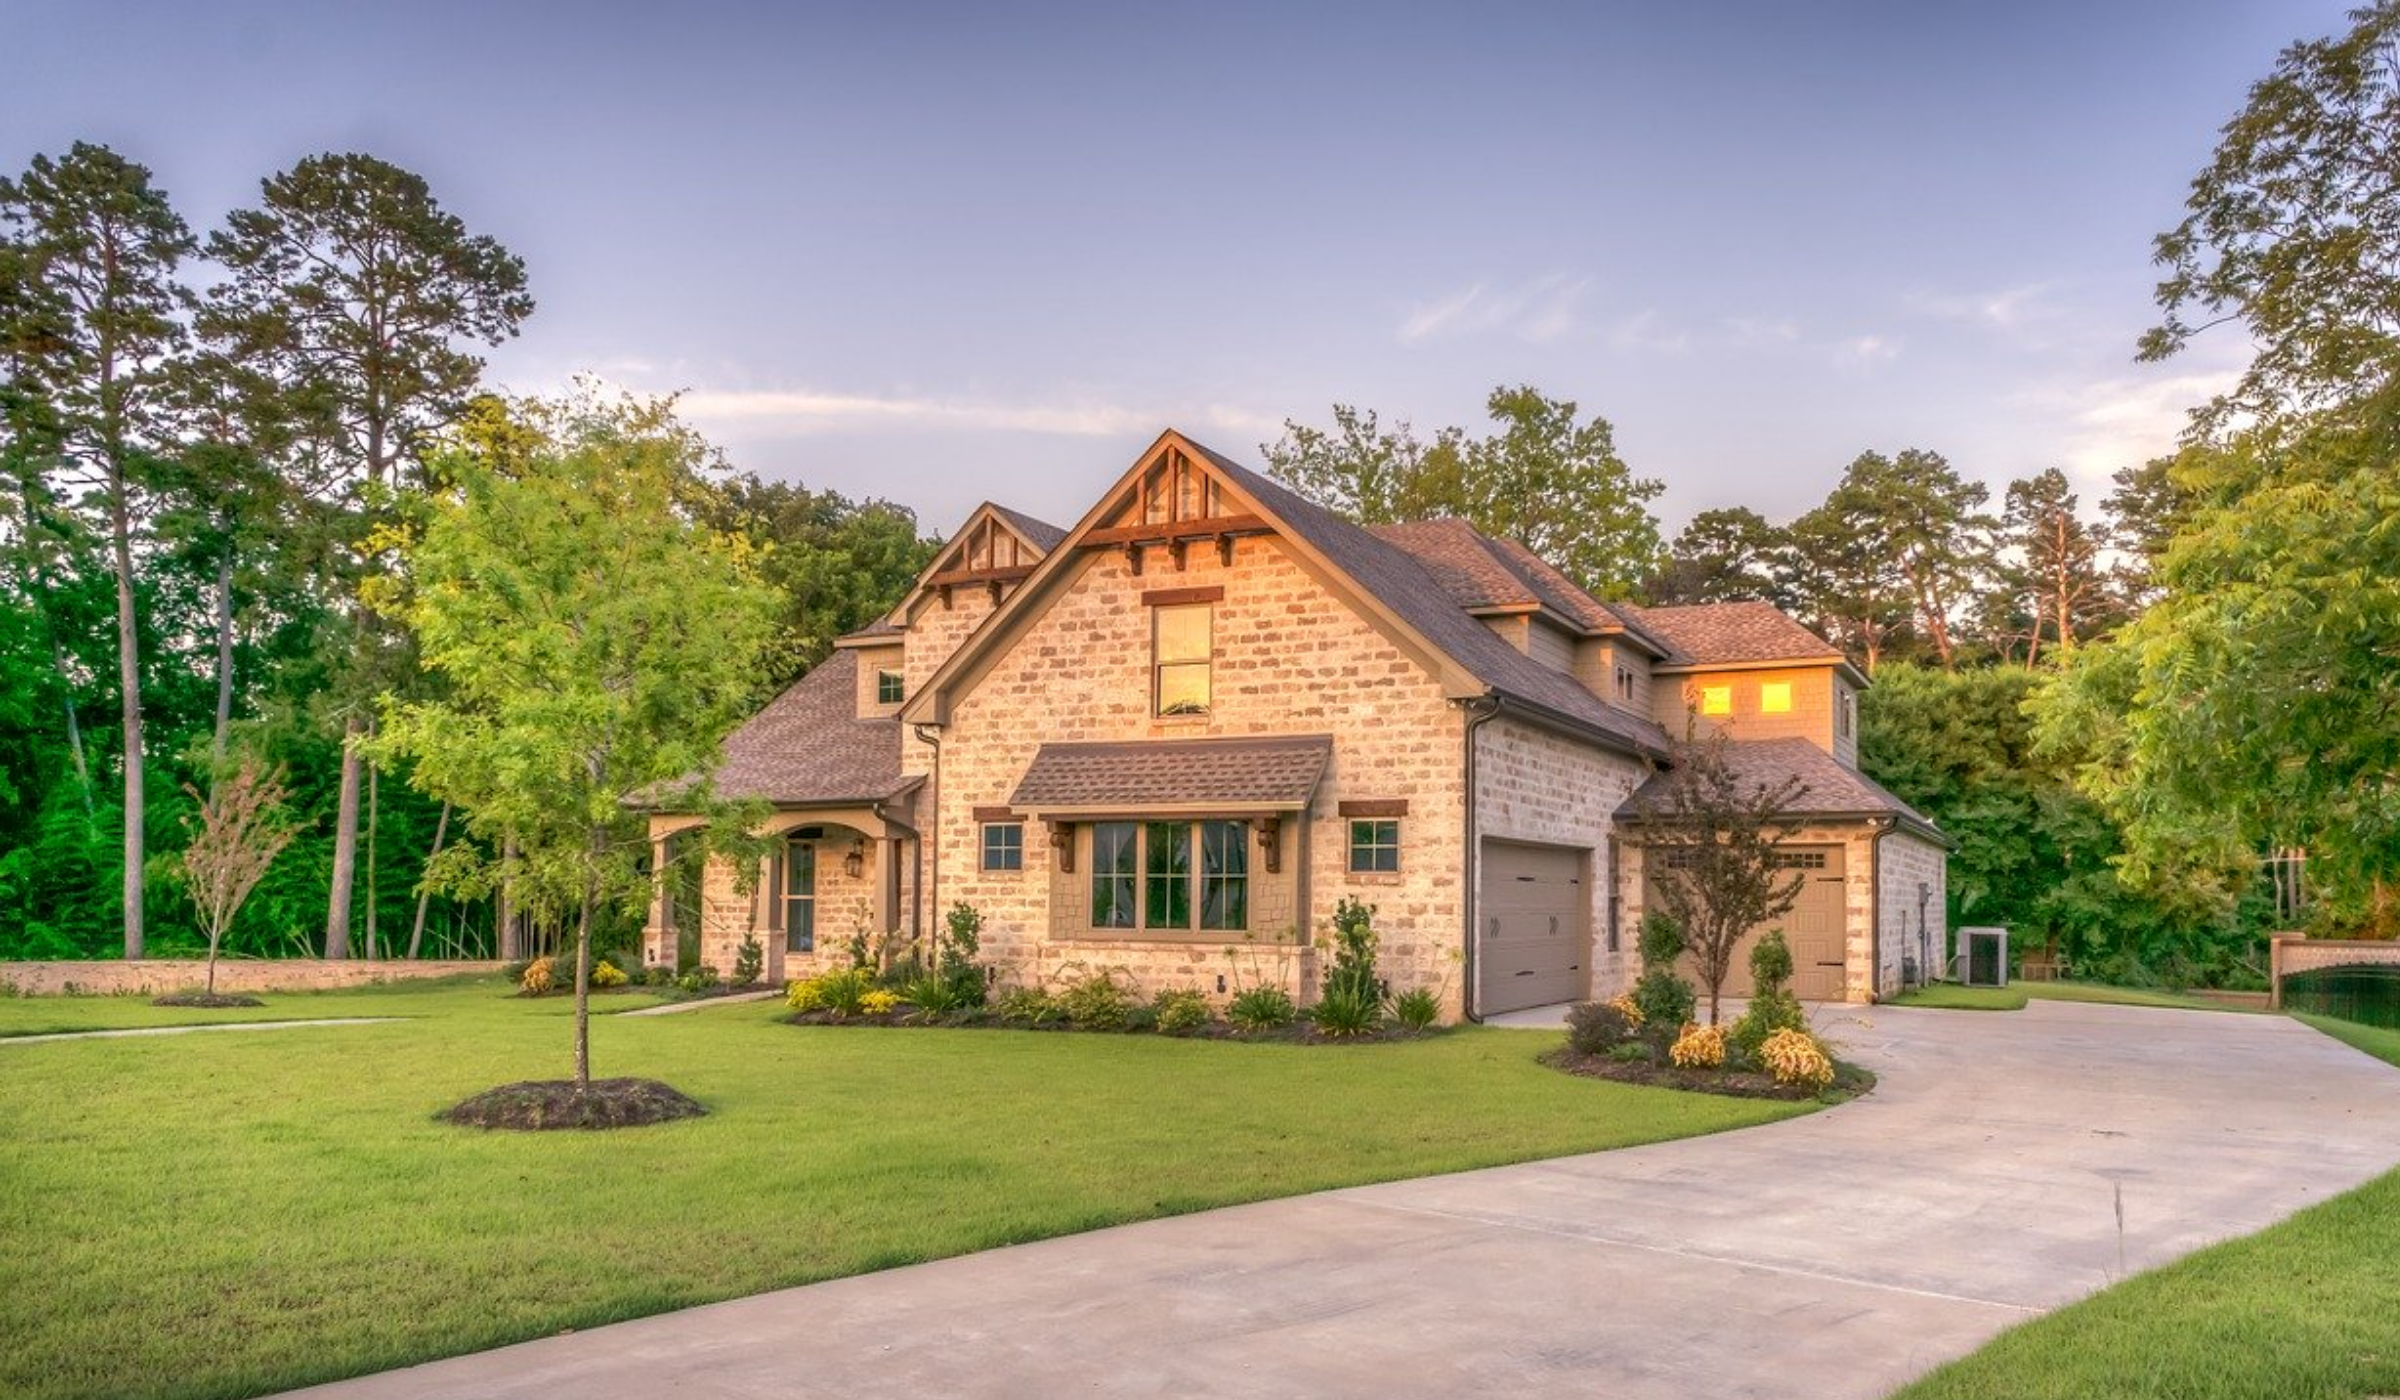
point(1168, 740)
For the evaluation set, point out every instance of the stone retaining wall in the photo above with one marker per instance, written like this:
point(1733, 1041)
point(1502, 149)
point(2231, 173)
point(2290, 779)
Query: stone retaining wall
point(2289, 954)
point(156, 976)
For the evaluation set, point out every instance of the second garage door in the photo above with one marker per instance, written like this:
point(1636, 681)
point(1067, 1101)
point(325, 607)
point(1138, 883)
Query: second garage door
point(1534, 926)
point(1817, 928)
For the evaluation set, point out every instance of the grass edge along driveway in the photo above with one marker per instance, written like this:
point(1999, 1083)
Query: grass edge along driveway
point(2299, 1311)
point(219, 1216)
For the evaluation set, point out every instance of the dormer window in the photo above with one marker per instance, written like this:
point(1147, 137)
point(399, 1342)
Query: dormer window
point(1775, 698)
point(1847, 713)
point(1716, 700)
point(891, 687)
point(1625, 684)
point(1181, 649)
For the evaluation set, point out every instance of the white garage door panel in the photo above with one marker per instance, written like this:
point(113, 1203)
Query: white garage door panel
point(1533, 930)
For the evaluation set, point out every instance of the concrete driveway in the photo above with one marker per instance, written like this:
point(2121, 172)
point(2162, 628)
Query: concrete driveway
point(2010, 1163)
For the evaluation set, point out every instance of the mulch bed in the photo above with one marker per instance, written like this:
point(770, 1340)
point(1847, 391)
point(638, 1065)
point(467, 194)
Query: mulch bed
point(539, 1105)
point(1298, 1033)
point(1849, 1081)
point(214, 1001)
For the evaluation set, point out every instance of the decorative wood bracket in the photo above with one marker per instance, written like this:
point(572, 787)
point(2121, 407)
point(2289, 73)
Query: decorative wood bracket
point(1270, 844)
point(1062, 840)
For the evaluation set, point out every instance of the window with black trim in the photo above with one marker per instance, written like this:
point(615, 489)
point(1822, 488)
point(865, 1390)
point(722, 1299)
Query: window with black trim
point(1374, 847)
point(1181, 647)
point(799, 896)
point(1171, 877)
point(1004, 845)
point(891, 687)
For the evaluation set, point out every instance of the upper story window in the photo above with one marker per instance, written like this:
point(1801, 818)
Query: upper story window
point(1846, 713)
point(1716, 700)
point(1625, 684)
point(1775, 698)
point(890, 687)
point(1181, 646)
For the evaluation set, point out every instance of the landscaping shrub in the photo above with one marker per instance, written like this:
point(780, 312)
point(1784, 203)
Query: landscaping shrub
point(749, 962)
point(935, 995)
point(1261, 1008)
point(1347, 1011)
point(1179, 1010)
point(1418, 1008)
point(699, 979)
point(660, 976)
point(803, 994)
point(515, 971)
point(1097, 1003)
point(538, 977)
point(1597, 1027)
point(954, 948)
point(880, 1002)
point(607, 974)
point(1772, 1006)
point(1699, 1047)
point(842, 993)
point(1665, 999)
point(1631, 1009)
point(1796, 1060)
point(1028, 1006)
point(1352, 978)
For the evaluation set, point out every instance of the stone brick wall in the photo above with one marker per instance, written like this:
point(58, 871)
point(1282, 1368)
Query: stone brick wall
point(158, 976)
point(845, 906)
point(872, 660)
point(933, 635)
point(1909, 861)
point(1533, 785)
point(1289, 658)
point(1811, 716)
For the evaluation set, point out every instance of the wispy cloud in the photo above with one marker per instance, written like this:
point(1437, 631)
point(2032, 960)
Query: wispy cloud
point(1862, 353)
point(806, 412)
point(1542, 310)
point(1643, 333)
point(1761, 332)
point(2010, 308)
point(2123, 421)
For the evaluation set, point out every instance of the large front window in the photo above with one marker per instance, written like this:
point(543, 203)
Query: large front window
point(1171, 877)
point(800, 896)
point(1181, 646)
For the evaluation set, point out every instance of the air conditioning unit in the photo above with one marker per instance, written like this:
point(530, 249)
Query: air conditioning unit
point(1983, 957)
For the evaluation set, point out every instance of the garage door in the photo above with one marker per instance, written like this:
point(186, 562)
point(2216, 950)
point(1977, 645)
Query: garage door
point(1816, 928)
point(1534, 909)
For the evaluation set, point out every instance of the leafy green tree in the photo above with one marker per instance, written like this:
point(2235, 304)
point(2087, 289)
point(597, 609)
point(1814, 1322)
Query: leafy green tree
point(102, 246)
point(597, 646)
point(355, 291)
point(2292, 230)
point(1847, 584)
point(838, 564)
point(1545, 477)
point(2143, 512)
point(1729, 555)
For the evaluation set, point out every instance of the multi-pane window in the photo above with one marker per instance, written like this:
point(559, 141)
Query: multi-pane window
point(1180, 647)
point(1170, 876)
point(1625, 684)
point(1004, 845)
point(1374, 847)
point(1775, 698)
point(799, 896)
point(890, 687)
point(1716, 700)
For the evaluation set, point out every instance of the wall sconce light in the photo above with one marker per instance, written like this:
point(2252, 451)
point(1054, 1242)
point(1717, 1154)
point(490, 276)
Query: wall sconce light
point(855, 863)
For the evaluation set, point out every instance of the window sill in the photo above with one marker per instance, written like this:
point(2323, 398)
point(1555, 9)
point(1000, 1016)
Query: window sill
point(1206, 938)
point(1371, 877)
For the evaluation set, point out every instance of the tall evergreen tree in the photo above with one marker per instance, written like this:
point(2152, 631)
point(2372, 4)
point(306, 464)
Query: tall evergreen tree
point(2057, 569)
point(1728, 555)
point(356, 291)
point(103, 244)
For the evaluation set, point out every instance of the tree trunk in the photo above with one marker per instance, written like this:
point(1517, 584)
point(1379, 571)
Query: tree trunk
point(374, 774)
point(31, 578)
point(224, 651)
point(345, 847)
point(505, 935)
point(129, 683)
point(212, 964)
point(416, 931)
point(583, 981)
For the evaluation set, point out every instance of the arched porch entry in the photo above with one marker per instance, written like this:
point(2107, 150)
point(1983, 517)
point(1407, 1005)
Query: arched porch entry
point(829, 876)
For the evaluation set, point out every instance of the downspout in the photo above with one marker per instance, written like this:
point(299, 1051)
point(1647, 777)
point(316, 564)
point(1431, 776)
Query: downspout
point(1479, 711)
point(929, 836)
point(1883, 828)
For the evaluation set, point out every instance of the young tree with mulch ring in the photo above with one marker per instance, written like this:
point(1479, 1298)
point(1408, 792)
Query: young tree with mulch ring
point(241, 828)
point(1708, 843)
point(597, 646)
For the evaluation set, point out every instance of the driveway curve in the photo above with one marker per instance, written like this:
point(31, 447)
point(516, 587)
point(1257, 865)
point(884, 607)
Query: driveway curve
point(2009, 1163)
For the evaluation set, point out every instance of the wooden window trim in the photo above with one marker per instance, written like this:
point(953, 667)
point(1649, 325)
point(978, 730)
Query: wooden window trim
point(1141, 931)
point(1178, 597)
point(997, 814)
point(1373, 807)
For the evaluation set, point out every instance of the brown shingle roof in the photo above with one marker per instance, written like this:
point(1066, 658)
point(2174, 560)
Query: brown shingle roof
point(1403, 584)
point(1481, 572)
point(1718, 634)
point(1041, 534)
point(1830, 788)
point(809, 747)
point(1165, 774)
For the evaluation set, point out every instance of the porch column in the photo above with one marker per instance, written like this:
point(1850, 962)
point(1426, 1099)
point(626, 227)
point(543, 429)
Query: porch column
point(887, 883)
point(658, 933)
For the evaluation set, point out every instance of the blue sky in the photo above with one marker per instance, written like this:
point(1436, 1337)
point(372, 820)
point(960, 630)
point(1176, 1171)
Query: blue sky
point(938, 253)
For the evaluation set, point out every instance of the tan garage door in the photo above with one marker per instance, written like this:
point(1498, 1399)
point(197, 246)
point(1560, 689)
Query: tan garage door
point(1816, 928)
point(1533, 911)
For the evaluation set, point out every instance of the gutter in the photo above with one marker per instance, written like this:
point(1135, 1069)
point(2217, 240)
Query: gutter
point(1480, 711)
point(1883, 828)
point(930, 834)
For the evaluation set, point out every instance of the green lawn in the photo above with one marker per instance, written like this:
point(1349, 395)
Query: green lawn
point(1951, 996)
point(220, 1215)
point(53, 1015)
point(2300, 1311)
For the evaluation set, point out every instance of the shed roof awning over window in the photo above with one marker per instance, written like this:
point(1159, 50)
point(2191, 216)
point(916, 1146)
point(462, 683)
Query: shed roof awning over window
point(1166, 777)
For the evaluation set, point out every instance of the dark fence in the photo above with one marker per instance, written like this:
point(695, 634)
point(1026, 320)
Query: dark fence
point(2367, 994)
